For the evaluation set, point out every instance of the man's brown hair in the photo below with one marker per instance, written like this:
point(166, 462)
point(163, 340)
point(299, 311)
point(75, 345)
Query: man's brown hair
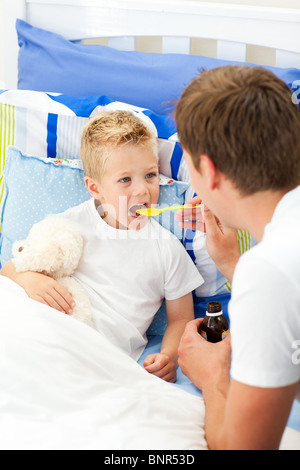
point(243, 118)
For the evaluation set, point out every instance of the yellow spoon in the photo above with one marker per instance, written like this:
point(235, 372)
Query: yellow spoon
point(153, 211)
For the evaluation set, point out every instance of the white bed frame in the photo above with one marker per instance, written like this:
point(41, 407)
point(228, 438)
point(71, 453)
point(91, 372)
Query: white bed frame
point(176, 21)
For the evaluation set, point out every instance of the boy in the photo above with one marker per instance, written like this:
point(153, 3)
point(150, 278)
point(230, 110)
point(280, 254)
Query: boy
point(130, 263)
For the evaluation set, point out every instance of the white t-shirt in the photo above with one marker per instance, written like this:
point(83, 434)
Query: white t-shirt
point(128, 273)
point(265, 305)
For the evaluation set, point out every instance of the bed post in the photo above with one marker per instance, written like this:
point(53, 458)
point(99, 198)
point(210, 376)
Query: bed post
point(11, 10)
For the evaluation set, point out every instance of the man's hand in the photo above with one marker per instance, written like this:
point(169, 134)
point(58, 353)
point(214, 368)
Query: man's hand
point(161, 365)
point(191, 218)
point(221, 242)
point(201, 361)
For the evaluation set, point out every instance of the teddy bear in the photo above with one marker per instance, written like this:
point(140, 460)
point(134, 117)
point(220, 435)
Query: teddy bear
point(54, 247)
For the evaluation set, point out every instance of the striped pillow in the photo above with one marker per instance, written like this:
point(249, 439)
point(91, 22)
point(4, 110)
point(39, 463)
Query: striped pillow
point(50, 125)
point(7, 138)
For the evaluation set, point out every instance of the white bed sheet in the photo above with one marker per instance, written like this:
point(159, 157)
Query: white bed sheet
point(291, 436)
point(64, 386)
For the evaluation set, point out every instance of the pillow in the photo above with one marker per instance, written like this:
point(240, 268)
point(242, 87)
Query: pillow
point(48, 62)
point(36, 187)
point(171, 193)
point(48, 125)
point(84, 106)
point(57, 128)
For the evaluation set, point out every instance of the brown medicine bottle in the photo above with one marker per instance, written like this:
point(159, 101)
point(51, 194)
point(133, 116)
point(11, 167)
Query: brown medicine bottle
point(214, 327)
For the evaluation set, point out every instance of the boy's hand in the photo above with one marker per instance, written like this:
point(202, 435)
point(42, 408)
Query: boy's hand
point(161, 365)
point(46, 290)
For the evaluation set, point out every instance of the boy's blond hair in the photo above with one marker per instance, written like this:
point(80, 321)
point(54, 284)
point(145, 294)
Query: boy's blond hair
point(107, 131)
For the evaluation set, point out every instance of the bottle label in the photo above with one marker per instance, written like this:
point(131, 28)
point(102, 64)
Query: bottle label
point(224, 334)
point(203, 334)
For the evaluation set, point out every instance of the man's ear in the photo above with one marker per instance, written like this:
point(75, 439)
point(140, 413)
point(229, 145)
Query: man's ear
point(209, 169)
point(93, 187)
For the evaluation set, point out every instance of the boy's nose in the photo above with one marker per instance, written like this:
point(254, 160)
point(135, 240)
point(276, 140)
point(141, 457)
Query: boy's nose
point(139, 189)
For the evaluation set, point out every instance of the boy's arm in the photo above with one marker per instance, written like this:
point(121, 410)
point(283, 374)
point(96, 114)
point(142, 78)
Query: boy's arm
point(165, 363)
point(179, 313)
point(40, 287)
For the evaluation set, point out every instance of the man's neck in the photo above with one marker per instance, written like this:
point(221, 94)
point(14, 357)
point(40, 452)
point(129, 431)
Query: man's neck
point(256, 211)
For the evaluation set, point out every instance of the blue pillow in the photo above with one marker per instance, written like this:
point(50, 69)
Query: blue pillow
point(171, 193)
point(48, 62)
point(36, 187)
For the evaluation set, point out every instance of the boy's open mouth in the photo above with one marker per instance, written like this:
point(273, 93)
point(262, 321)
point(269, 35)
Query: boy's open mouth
point(133, 209)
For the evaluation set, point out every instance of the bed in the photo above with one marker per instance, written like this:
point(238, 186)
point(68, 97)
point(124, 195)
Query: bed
point(63, 386)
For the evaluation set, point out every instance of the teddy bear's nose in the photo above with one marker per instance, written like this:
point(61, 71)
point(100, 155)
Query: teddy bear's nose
point(21, 248)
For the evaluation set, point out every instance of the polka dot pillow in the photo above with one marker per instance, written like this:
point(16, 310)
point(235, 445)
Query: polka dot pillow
point(36, 187)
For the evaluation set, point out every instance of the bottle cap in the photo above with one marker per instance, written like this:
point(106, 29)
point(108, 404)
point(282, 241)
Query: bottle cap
point(214, 309)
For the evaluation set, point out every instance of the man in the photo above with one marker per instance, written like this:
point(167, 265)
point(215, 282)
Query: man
point(240, 133)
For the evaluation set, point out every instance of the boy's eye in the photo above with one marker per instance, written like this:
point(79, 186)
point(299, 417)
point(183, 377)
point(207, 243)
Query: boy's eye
point(151, 175)
point(126, 179)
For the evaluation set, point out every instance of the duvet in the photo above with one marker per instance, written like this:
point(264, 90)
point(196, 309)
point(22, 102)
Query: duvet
point(63, 385)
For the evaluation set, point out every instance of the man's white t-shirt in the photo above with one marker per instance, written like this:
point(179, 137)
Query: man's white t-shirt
point(265, 305)
point(128, 273)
